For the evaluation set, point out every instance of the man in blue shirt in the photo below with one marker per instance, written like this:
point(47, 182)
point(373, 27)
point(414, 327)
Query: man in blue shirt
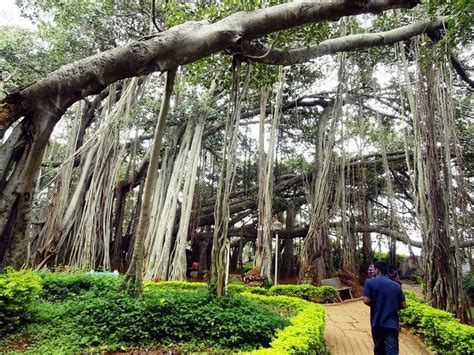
point(385, 298)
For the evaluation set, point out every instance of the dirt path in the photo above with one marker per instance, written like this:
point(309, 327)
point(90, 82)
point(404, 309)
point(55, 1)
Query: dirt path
point(348, 331)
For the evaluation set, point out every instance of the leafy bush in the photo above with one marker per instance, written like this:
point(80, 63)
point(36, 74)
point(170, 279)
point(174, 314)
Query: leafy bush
point(246, 267)
point(193, 286)
point(230, 321)
point(442, 331)
point(242, 288)
point(383, 256)
point(416, 279)
point(57, 287)
point(175, 285)
point(322, 294)
point(305, 335)
point(111, 320)
point(18, 289)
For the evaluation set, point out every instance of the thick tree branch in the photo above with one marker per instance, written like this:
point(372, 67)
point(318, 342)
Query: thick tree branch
point(343, 44)
point(179, 45)
point(462, 71)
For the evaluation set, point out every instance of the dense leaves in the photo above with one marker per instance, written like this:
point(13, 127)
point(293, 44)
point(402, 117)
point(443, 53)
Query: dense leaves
point(322, 294)
point(83, 312)
point(18, 290)
point(441, 330)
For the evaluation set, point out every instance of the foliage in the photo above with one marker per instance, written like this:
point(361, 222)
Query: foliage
point(18, 290)
point(416, 279)
point(442, 332)
point(384, 256)
point(174, 285)
point(305, 335)
point(192, 286)
point(322, 294)
point(57, 287)
point(242, 288)
point(99, 317)
point(22, 57)
point(81, 28)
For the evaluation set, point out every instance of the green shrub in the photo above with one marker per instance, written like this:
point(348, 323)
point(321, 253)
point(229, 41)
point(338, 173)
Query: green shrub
point(246, 267)
point(383, 256)
point(305, 335)
point(18, 289)
point(193, 286)
point(113, 320)
point(322, 294)
point(442, 331)
point(416, 279)
point(242, 288)
point(58, 287)
point(230, 321)
point(175, 285)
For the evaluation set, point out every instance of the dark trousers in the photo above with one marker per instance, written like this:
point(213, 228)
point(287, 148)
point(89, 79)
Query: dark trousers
point(385, 341)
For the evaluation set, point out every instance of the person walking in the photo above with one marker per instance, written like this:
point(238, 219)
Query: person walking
point(385, 298)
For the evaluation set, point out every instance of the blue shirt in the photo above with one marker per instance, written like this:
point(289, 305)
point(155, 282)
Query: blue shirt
point(385, 298)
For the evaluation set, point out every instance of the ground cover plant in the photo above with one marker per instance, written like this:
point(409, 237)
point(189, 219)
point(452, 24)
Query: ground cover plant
point(442, 332)
point(85, 313)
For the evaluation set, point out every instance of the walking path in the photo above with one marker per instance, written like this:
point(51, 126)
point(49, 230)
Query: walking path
point(347, 331)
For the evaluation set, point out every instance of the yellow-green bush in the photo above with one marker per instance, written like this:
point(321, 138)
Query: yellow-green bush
point(18, 289)
point(243, 288)
point(192, 286)
point(321, 294)
point(441, 330)
point(305, 335)
point(175, 285)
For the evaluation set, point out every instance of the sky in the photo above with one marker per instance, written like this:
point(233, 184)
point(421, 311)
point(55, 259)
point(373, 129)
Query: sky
point(10, 14)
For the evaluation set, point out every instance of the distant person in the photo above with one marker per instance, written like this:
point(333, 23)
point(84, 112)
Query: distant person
point(370, 270)
point(393, 275)
point(385, 299)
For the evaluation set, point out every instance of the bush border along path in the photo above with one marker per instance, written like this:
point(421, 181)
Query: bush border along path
point(305, 335)
point(442, 332)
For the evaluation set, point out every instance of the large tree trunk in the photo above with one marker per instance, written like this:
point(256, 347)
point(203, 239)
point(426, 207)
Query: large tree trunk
point(442, 264)
point(24, 150)
point(315, 256)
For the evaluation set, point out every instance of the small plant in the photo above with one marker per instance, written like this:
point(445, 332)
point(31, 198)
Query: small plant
point(18, 290)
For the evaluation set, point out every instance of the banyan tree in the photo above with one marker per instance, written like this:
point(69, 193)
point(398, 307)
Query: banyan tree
point(346, 119)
